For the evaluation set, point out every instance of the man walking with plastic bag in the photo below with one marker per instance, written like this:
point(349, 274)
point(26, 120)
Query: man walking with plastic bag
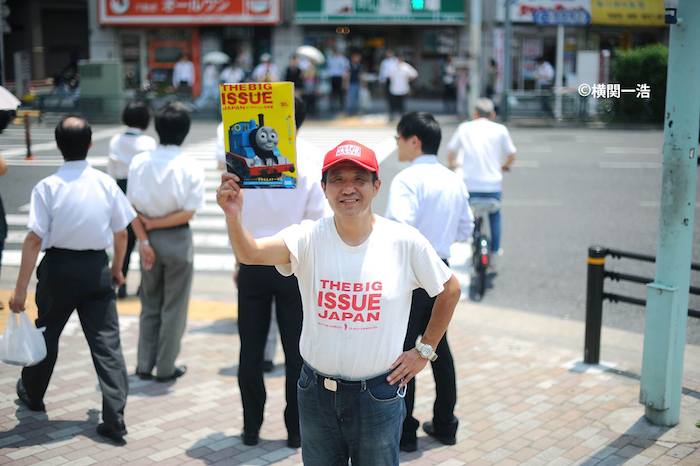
point(74, 216)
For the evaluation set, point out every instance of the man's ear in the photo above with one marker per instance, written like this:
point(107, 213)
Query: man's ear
point(377, 185)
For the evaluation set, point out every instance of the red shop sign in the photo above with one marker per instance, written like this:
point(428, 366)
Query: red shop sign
point(188, 12)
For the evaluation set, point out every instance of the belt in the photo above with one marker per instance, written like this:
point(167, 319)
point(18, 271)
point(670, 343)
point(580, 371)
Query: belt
point(75, 252)
point(334, 384)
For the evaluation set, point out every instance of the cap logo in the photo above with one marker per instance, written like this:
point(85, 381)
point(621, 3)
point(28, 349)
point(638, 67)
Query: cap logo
point(348, 150)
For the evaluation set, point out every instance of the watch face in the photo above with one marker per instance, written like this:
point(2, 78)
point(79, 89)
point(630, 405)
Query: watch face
point(425, 351)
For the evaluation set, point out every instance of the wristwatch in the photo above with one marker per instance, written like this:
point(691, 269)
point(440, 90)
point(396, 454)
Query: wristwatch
point(426, 351)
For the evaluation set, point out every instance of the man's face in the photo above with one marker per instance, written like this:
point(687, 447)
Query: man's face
point(405, 147)
point(350, 190)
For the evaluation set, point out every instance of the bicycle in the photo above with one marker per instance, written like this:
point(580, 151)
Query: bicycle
point(481, 243)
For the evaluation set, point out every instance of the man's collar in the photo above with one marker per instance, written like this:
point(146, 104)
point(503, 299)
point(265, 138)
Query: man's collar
point(425, 158)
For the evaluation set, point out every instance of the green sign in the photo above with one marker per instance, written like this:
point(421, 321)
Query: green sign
point(379, 11)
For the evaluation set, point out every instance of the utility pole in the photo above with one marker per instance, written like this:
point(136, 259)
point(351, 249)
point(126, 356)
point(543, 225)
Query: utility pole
point(506, 62)
point(667, 297)
point(474, 53)
point(559, 72)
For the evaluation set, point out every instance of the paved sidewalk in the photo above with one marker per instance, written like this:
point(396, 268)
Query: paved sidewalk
point(524, 398)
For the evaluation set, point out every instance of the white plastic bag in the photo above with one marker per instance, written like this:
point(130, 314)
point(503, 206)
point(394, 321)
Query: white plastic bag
point(22, 344)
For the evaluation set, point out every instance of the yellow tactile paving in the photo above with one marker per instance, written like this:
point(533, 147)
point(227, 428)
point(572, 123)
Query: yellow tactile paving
point(199, 309)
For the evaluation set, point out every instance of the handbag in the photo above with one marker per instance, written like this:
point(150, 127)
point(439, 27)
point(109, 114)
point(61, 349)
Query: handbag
point(22, 344)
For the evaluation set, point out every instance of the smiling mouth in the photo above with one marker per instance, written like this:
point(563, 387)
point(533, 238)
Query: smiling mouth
point(349, 201)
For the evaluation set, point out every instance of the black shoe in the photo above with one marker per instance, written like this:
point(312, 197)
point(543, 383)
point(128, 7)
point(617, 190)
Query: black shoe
point(250, 438)
point(114, 433)
point(408, 443)
point(28, 402)
point(445, 439)
point(178, 372)
point(143, 375)
point(121, 294)
point(268, 366)
point(293, 441)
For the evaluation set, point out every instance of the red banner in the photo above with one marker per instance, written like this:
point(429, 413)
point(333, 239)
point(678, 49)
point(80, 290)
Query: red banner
point(190, 12)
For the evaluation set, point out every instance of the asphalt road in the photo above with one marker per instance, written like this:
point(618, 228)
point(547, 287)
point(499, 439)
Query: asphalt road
point(569, 189)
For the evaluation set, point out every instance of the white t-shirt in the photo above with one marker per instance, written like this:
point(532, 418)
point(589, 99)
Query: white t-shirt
point(357, 299)
point(484, 146)
point(183, 71)
point(78, 208)
point(123, 148)
point(400, 77)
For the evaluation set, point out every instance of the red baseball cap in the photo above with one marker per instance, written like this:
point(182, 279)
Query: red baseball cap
point(351, 151)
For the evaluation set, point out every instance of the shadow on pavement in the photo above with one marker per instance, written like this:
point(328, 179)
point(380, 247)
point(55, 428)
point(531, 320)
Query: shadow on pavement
point(55, 431)
point(219, 327)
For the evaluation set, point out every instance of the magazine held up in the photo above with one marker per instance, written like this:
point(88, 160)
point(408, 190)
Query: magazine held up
point(259, 133)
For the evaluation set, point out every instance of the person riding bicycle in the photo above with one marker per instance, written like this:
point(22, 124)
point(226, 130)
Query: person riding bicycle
point(485, 150)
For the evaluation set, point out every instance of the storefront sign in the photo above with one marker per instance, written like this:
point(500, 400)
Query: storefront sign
point(561, 17)
point(379, 11)
point(191, 12)
point(628, 13)
point(524, 11)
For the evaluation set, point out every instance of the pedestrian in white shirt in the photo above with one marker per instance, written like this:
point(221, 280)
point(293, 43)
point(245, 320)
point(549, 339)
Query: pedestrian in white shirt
point(356, 272)
point(165, 188)
point(399, 86)
point(386, 68)
point(122, 149)
point(232, 74)
point(338, 67)
point(261, 285)
point(544, 76)
point(431, 198)
point(266, 71)
point(74, 216)
point(486, 151)
point(183, 75)
point(210, 88)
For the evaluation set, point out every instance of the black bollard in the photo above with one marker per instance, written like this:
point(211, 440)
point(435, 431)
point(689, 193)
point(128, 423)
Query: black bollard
point(594, 304)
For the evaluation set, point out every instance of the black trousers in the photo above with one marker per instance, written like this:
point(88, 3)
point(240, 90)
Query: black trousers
point(257, 285)
point(443, 371)
point(396, 105)
point(131, 236)
point(337, 94)
point(80, 280)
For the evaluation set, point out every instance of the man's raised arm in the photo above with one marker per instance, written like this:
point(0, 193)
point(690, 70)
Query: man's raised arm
point(248, 250)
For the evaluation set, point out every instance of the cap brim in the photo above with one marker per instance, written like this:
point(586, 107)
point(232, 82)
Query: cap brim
point(355, 161)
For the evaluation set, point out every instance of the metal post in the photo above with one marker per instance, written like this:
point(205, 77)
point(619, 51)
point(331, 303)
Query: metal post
point(594, 304)
point(559, 73)
point(28, 136)
point(667, 298)
point(506, 63)
point(475, 71)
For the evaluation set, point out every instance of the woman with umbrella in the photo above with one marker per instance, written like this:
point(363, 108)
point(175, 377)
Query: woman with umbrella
point(210, 79)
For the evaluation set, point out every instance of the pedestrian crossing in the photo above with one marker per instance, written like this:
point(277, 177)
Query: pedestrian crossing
point(212, 249)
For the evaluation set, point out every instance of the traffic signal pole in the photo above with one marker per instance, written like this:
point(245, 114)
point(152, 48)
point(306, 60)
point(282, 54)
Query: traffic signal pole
point(667, 297)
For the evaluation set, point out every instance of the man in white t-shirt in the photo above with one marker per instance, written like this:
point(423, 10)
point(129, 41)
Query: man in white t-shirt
point(486, 151)
point(400, 78)
point(356, 273)
point(428, 196)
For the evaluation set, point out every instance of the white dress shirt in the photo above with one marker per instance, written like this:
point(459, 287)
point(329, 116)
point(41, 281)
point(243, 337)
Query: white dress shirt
point(183, 71)
point(164, 181)
point(265, 72)
point(402, 74)
point(268, 211)
point(123, 147)
point(433, 199)
point(338, 65)
point(78, 208)
point(386, 67)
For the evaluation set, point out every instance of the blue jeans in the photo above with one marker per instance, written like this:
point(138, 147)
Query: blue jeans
point(360, 422)
point(353, 98)
point(494, 219)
